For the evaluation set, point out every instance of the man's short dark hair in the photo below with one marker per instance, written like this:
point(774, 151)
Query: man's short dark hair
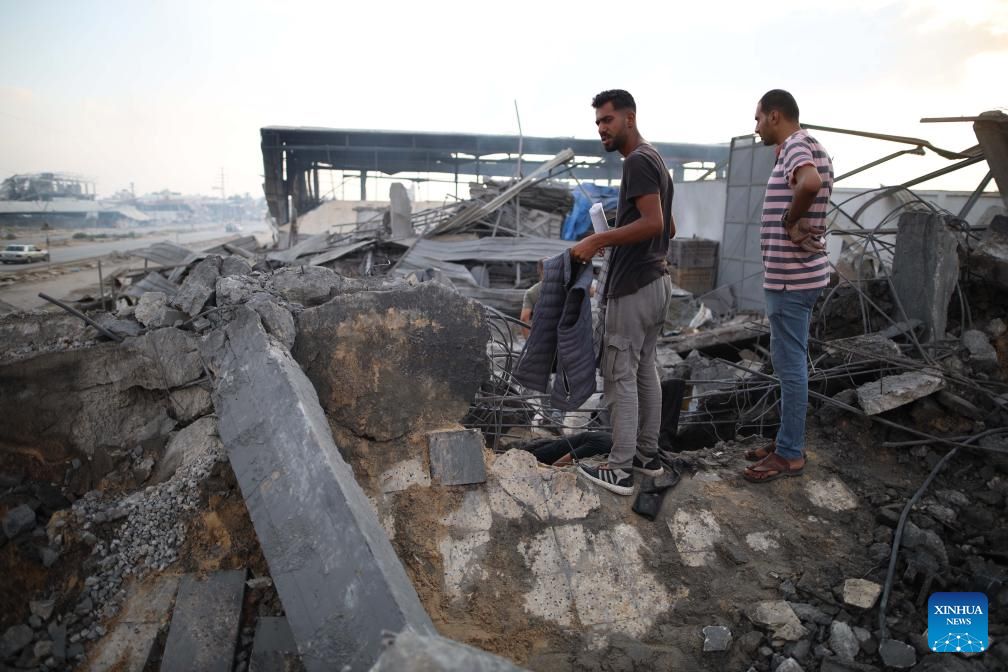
point(780, 100)
point(619, 98)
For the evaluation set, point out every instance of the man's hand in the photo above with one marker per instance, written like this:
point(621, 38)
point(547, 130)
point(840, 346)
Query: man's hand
point(587, 248)
point(801, 234)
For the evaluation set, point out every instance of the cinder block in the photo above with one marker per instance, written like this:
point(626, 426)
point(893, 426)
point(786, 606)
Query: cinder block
point(456, 457)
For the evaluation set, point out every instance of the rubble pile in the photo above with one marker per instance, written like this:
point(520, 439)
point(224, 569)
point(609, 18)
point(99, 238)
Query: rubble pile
point(302, 461)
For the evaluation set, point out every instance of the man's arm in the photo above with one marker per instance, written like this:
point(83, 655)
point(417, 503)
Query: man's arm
point(648, 226)
point(526, 317)
point(805, 185)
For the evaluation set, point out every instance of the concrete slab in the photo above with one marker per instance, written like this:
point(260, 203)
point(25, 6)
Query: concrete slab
point(127, 648)
point(204, 627)
point(337, 575)
point(925, 270)
point(274, 648)
point(891, 392)
point(456, 457)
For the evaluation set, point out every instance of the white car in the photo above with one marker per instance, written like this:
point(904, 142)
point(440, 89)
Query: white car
point(23, 254)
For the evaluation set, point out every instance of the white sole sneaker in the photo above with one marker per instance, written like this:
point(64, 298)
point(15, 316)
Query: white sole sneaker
point(611, 486)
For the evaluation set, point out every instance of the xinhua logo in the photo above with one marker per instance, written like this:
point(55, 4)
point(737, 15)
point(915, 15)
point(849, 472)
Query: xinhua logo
point(957, 622)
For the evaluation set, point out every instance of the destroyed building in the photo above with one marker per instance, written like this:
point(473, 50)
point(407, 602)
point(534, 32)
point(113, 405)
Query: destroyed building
point(309, 457)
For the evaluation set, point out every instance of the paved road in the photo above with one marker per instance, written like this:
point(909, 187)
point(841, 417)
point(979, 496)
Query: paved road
point(97, 249)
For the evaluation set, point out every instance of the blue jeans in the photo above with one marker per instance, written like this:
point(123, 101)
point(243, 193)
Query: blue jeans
point(790, 314)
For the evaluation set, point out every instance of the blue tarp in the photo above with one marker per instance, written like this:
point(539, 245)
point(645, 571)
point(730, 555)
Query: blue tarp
point(578, 221)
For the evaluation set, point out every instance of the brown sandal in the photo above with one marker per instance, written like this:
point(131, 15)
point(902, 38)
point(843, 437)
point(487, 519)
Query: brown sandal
point(771, 468)
point(761, 453)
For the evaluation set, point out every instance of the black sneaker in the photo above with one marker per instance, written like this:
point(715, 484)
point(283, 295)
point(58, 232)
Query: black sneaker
point(614, 480)
point(652, 467)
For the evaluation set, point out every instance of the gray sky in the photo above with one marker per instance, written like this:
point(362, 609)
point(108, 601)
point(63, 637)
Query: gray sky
point(164, 94)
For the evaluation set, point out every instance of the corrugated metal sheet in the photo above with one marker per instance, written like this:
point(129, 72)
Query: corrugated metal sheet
point(152, 282)
point(164, 253)
point(504, 249)
point(338, 252)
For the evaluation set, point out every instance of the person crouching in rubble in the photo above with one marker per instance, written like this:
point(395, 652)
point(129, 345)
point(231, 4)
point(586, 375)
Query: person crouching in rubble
point(637, 291)
point(795, 271)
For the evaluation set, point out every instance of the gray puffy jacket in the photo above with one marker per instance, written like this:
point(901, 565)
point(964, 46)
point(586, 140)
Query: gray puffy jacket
point(561, 333)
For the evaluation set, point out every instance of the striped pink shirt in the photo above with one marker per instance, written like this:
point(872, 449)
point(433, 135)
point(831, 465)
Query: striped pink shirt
point(786, 265)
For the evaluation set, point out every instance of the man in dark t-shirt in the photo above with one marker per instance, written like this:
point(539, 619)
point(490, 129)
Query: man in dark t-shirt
point(637, 293)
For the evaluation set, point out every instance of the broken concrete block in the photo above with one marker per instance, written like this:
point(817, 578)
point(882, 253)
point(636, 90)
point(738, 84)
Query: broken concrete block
point(128, 646)
point(168, 358)
point(189, 403)
point(204, 625)
point(989, 258)
point(925, 270)
point(861, 593)
point(198, 286)
point(412, 357)
point(318, 531)
point(188, 445)
point(234, 265)
point(275, 318)
point(982, 355)
point(779, 617)
point(153, 312)
point(891, 392)
point(412, 652)
point(274, 648)
point(716, 638)
point(310, 285)
point(400, 210)
point(231, 290)
point(456, 457)
point(19, 519)
point(897, 654)
point(842, 641)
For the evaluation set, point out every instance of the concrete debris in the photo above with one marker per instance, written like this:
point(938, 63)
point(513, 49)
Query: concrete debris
point(789, 665)
point(891, 392)
point(982, 355)
point(204, 625)
point(456, 457)
point(276, 319)
point(306, 506)
point(190, 445)
point(147, 609)
point(897, 655)
point(413, 356)
point(779, 618)
point(842, 640)
point(924, 241)
point(861, 593)
point(310, 285)
point(198, 286)
point(716, 638)
point(152, 311)
point(990, 257)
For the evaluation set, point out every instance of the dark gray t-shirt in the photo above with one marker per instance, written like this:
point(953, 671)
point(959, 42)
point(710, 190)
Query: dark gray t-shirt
point(634, 266)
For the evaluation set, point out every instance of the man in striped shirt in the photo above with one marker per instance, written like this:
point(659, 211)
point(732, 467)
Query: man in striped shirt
point(795, 269)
